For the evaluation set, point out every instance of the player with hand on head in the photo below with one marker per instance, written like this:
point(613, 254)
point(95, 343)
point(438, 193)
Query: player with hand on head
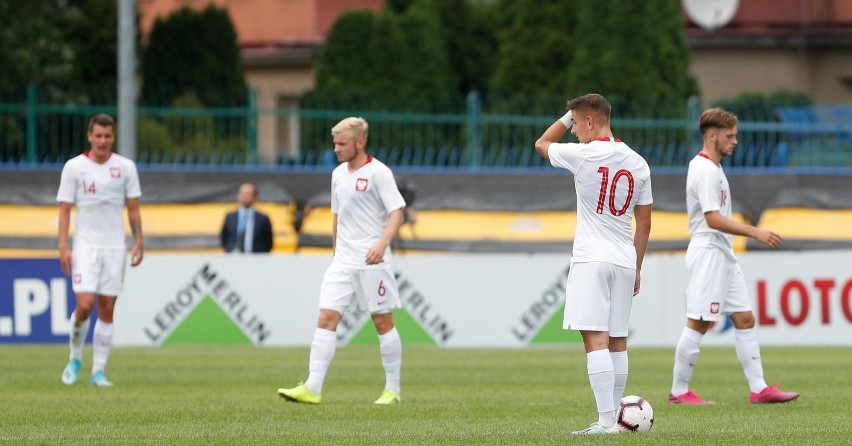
point(613, 185)
point(100, 184)
point(368, 211)
point(716, 282)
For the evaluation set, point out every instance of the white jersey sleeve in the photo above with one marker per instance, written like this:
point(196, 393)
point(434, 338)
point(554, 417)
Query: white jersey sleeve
point(707, 187)
point(68, 183)
point(132, 186)
point(388, 191)
point(566, 156)
point(707, 190)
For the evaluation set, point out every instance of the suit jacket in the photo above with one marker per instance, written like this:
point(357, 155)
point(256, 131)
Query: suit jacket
point(261, 237)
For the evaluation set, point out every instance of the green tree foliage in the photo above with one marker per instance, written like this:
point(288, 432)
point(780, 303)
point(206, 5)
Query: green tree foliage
point(93, 35)
point(393, 52)
point(32, 47)
point(67, 49)
point(397, 60)
point(196, 52)
point(632, 52)
point(536, 46)
point(343, 61)
point(421, 50)
point(470, 40)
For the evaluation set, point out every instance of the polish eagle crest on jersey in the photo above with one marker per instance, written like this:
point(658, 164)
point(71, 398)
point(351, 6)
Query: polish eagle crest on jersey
point(361, 184)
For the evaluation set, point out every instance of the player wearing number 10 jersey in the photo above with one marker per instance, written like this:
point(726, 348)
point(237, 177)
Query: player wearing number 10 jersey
point(613, 186)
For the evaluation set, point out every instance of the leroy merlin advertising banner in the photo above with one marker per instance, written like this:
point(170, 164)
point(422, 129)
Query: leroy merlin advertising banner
point(273, 300)
point(447, 300)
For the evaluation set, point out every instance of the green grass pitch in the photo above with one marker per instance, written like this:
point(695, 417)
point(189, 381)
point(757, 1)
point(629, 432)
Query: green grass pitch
point(203, 395)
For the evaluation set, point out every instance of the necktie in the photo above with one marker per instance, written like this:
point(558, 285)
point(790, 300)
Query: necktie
point(242, 219)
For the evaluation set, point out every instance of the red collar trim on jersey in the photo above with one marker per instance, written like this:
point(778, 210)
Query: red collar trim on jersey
point(86, 154)
point(369, 159)
point(607, 138)
point(704, 155)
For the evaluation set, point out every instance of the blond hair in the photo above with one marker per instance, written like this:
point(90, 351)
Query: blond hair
point(358, 127)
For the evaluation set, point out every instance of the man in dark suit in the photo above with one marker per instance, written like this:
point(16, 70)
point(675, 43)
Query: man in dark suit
point(246, 229)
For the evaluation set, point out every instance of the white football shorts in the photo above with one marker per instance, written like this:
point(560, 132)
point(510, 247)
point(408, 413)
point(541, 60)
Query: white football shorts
point(372, 289)
point(716, 286)
point(598, 297)
point(97, 270)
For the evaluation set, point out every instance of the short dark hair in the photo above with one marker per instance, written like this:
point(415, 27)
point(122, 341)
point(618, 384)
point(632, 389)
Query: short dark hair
point(101, 119)
point(592, 102)
point(253, 187)
point(716, 118)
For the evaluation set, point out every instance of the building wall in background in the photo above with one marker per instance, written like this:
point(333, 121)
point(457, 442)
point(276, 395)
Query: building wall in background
point(796, 45)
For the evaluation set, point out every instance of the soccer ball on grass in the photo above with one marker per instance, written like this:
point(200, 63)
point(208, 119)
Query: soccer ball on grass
point(635, 414)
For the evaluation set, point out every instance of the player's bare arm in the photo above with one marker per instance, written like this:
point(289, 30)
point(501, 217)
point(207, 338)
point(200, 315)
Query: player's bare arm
point(376, 254)
point(719, 222)
point(64, 246)
point(134, 216)
point(553, 134)
point(642, 215)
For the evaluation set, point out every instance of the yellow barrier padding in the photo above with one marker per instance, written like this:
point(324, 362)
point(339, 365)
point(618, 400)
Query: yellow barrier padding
point(14, 253)
point(808, 224)
point(167, 219)
point(30, 221)
point(510, 226)
point(317, 221)
point(467, 225)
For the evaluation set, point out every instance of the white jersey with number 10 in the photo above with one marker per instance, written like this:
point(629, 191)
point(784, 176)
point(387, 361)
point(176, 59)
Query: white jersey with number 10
point(610, 179)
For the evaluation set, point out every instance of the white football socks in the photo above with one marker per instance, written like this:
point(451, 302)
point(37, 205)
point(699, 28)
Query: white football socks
point(619, 367)
point(101, 344)
point(686, 355)
point(602, 379)
point(77, 337)
point(322, 352)
point(391, 349)
point(748, 352)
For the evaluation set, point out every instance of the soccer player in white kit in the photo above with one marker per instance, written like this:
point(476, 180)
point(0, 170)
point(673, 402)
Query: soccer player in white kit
point(368, 211)
point(100, 184)
point(613, 186)
point(716, 285)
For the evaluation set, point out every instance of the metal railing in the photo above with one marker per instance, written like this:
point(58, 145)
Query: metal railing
point(469, 132)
